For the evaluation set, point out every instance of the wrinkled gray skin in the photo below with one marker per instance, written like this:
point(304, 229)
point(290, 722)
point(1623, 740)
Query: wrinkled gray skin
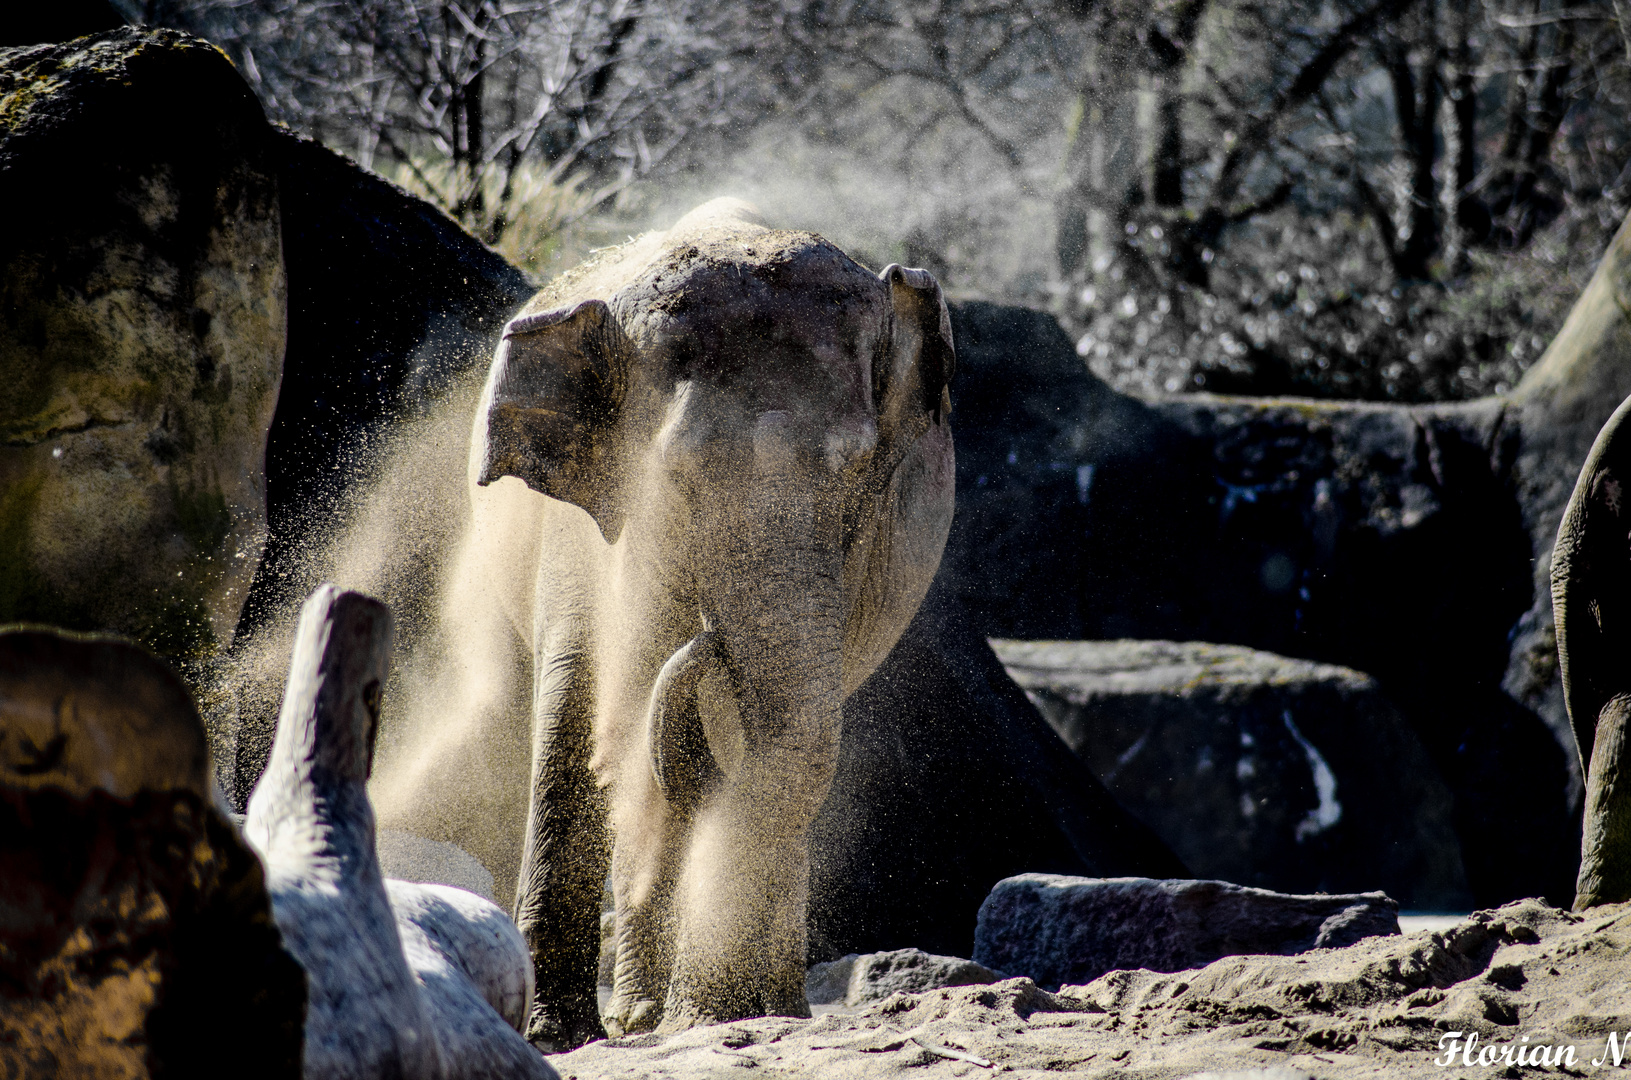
point(744, 442)
point(1591, 606)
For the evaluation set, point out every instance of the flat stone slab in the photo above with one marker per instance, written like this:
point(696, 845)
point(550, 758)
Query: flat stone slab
point(858, 979)
point(1255, 768)
point(1055, 929)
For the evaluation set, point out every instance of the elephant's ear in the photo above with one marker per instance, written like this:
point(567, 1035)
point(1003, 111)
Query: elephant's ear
point(555, 391)
point(923, 359)
point(902, 515)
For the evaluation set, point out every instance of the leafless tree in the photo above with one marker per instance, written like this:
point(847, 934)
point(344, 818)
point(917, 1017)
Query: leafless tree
point(604, 90)
point(1163, 133)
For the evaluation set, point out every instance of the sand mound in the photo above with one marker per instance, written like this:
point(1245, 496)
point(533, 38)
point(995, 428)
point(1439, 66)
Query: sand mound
point(1520, 977)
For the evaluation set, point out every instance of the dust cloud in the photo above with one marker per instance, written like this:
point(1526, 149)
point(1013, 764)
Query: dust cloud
point(454, 750)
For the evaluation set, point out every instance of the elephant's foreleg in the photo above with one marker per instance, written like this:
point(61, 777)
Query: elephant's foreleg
point(789, 927)
point(564, 860)
point(740, 916)
point(644, 867)
point(1605, 849)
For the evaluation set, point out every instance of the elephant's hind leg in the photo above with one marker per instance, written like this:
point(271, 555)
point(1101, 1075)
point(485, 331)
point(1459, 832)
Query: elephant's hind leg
point(1605, 855)
point(564, 860)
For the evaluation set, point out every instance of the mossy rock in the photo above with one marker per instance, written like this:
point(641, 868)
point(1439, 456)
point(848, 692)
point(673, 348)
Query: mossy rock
point(142, 337)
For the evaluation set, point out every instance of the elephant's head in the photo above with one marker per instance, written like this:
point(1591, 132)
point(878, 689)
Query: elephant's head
point(759, 426)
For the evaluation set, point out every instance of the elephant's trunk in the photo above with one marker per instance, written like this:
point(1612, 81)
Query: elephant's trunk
point(777, 661)
point(680, 756)
point(781, 632)
point(778, 610)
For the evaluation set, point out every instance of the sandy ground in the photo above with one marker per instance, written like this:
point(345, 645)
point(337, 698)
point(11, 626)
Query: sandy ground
point(1522, 976)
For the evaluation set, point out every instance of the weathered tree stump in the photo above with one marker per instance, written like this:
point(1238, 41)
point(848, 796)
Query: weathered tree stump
point(405, 980)
point(310, 818)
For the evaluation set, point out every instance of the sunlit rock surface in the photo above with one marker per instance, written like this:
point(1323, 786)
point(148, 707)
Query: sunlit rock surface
point(1523, 976)
point(1256, 768)
point(859, 979)
point(136, 937)
point(141, 275)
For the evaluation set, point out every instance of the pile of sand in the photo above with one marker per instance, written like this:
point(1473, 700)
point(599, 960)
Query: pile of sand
point(1521, 977)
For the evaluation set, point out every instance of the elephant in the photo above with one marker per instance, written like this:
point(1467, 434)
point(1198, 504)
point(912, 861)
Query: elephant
point(1591, 608)
point(711, 479)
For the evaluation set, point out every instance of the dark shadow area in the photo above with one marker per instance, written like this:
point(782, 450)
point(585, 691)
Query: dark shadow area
point(389, 302)
point(1383, 538)
point(949, 781)
point(35, 22)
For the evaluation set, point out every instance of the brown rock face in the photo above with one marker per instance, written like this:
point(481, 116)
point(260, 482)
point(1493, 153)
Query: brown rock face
point(142, 285)
point(136, 937)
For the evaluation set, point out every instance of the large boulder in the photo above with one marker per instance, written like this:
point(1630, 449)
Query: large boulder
point(1056, 930)
point(182, 421)
point(391, 303)
point(393, 310)
point(1393, 540)
point(136, 936)
point(1255, 768)
point(142, 286)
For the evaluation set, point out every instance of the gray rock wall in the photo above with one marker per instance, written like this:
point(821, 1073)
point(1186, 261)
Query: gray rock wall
point(1396, 541)
point(1255, 768)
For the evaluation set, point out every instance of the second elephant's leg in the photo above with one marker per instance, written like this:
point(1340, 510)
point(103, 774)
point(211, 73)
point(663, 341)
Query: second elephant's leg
point(1605, 855)
point(564, 860)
